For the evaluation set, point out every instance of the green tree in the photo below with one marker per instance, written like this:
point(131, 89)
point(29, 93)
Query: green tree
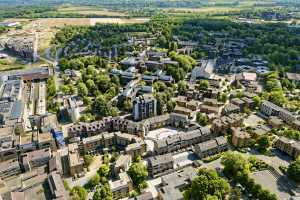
point(235, 164)
point(103, 171)
point(93, 182)
point(103, 193)
point(88, 159)
point(171, 105)
point(82, 90)
point(293, 170)
point(235, 194)
point(207, 185)
point(127, 105)
point(78, 193)
point(51, 87)
point(257, 101)
point(203, 85)
point(202, 119)
point(263, 143)
point(182, 87)
point(277, 97)
point(223, 97)
point(90, 84)
point(138, 173)
point(173, 46)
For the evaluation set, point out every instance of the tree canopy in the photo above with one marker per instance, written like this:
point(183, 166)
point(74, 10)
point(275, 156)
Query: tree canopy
point(207, 185)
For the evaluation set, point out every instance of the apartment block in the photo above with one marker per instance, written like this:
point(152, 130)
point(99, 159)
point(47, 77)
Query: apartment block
point(182, 140)
point(144, 107)
point(160, 164)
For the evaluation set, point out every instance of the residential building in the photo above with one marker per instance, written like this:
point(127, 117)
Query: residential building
point(291, 147)
point(238, 102)
point(211, 147)
point(122, 163)
point(46, 140)
point(136, 149)
point(121, 187)
point(223, 124)
point(17, 196)
point(246, 78)
point(204, 71)
point(144, 107)
point(173, 184)
point(248, 102)
point(275, 122)
point(72, 108)
point(183, 111)
point(270, 109)
point(55, 164)
point(209, 109)
point(240, 138)
point(35, 158)
point(56, 186)
point(230, 108)
point(9, 168)
point(74, 161)
point(7, 144)
point(181, 140)
point(160, 164)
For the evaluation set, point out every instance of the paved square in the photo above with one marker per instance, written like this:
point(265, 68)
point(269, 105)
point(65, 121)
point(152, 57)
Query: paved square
point(272, 182)
point(253, 120)
point(161, 133)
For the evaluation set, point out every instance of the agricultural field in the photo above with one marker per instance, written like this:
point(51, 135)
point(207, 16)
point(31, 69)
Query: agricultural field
point(87, 10)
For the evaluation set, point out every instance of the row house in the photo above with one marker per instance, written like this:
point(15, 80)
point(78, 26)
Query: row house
point(132, 144)
point(182, 140)
point(211, 147)
point(111, 124)
point(230, 108)
point(291, 147)
point(223, 124)
point(270, 109)
point(9, 168)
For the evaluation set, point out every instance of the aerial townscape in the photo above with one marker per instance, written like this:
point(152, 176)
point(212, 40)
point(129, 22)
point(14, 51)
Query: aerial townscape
point(149, 100)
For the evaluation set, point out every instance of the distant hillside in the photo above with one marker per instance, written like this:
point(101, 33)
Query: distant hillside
point(110, 3)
